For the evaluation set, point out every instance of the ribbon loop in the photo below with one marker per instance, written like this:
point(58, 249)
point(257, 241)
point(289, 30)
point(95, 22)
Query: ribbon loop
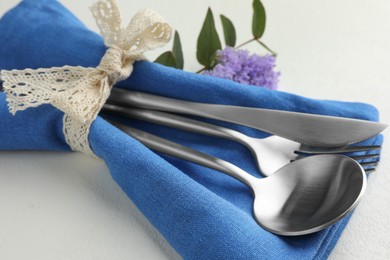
point(146, 31)
point(81, 92)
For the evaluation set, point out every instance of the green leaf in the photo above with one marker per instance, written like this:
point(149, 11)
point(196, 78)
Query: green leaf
point(228, 31)
point(258, 22)
point(208, 41)
point(177, 51)
point(167, 59)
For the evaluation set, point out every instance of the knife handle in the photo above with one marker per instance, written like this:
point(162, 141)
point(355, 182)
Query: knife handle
point(234, 114)
point(178, 122)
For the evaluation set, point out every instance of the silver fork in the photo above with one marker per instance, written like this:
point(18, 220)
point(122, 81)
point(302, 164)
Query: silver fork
point(271, 153)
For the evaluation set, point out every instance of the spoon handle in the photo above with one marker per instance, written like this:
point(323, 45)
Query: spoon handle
point(173, 149)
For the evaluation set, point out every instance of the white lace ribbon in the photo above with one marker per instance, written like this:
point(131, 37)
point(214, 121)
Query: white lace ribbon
point(81, 92)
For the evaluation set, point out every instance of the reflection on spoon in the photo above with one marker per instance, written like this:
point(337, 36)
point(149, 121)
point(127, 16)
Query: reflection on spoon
point(309, 194)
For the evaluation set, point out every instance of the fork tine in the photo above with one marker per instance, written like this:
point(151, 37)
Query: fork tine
point(370, 170)
point(362, 157)
point(368, 167)
point(344, 149)
point(369, 164)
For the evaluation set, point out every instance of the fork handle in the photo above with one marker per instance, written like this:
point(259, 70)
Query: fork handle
point(177, 122)
point(173, 149)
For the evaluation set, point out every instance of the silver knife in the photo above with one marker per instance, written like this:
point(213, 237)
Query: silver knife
point(309, 129)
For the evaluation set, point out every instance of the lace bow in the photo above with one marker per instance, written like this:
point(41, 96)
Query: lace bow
point(81, 92)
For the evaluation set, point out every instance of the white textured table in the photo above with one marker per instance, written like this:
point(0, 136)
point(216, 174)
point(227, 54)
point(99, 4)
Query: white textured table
point(66, 206)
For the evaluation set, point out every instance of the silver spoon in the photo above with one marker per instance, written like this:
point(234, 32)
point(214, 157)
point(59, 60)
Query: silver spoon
point(302, 197)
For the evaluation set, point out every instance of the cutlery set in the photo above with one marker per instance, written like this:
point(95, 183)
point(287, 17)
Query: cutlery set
point(314, 176)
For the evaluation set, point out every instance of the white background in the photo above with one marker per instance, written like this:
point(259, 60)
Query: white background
point(65, 206)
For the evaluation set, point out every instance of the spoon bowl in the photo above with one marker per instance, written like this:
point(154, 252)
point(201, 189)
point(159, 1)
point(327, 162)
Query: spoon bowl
point(308, 195)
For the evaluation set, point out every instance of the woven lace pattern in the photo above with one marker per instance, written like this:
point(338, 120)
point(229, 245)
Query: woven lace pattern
point(81, 92)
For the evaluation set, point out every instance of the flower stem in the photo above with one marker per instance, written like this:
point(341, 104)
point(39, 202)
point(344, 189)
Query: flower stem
point(244, 43)
point(201, 70)
point(260, 42)
point(267, 48)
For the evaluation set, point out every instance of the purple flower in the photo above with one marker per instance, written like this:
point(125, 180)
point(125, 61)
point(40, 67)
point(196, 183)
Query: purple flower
point(239, 66)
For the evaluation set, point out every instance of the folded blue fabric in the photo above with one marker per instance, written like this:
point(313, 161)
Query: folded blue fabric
point(203, 214)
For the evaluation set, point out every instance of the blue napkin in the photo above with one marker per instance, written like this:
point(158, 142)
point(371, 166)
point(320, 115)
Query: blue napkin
point(203, 213)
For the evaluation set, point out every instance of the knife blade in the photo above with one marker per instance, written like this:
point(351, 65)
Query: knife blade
point(308, 129)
